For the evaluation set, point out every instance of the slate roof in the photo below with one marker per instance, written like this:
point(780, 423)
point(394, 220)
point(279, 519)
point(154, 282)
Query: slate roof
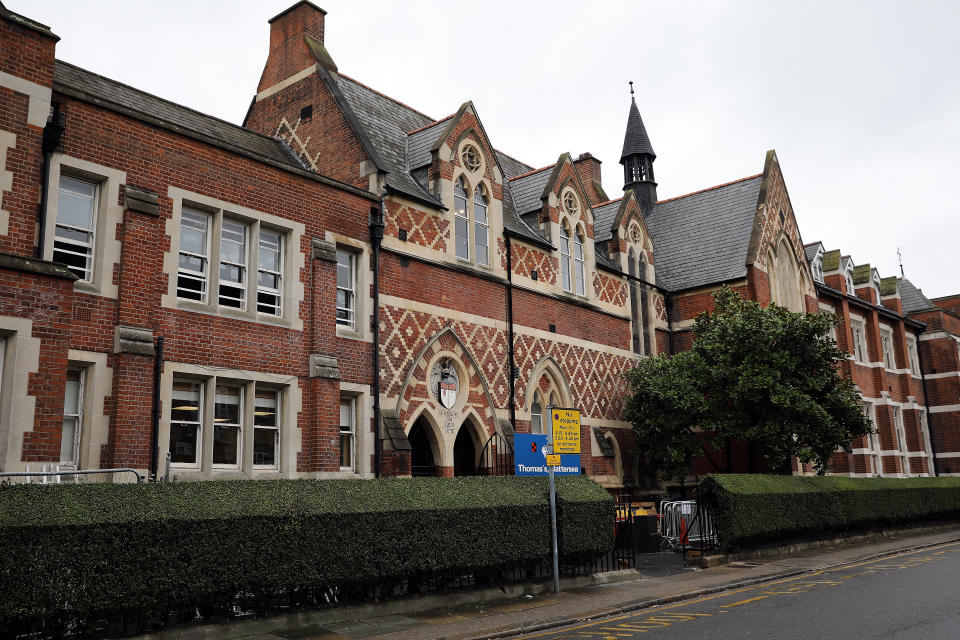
point(528, 189)
point(702, 238)
point(73, 80)
point(913, 298)
point(636, 139)
point(603, 215)
point(421, 141)
point(511, 166)
point(811, 250)
point(402, 138)
point(386, 123)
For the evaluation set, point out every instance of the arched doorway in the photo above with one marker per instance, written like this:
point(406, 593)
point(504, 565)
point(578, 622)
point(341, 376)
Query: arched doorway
point(464, 453)
point(422, 463)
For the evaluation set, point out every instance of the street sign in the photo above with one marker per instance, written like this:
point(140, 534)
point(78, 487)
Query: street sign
point(553, 459)
point(566, 430)
point(530, 458)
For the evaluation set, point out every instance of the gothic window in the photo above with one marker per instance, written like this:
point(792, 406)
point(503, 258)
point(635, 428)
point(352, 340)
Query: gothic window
point(536, 414)
point(470, 158)
point(481, 227)
point(565, 266)
point(579, 272)
point(636, 311)
point(570, 203)
point(461, 220)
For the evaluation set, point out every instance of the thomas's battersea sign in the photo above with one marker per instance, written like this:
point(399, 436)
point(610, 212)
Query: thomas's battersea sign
point(530, 457)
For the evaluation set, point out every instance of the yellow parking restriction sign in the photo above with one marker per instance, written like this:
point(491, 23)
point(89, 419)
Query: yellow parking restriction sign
point(553, 459)
point(566, 430)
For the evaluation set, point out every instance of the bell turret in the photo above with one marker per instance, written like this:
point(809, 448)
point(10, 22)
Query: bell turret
point(637, 159)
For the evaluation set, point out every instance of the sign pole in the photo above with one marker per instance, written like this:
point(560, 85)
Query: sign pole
point(553, 531)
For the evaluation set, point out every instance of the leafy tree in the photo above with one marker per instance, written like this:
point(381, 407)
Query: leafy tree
point(764, 375)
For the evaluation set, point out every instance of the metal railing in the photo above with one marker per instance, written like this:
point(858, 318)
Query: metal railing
point(685, 525)
point(55, 475)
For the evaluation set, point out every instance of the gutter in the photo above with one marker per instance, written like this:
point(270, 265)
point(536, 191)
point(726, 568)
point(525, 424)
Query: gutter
point(512, 364)
point(155, 418)
point(376, 238)
point(926, 405)
point(52, 136)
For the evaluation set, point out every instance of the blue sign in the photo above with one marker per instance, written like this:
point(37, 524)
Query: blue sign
point(529, 455)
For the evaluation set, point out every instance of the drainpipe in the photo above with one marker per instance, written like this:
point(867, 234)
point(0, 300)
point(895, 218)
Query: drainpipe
point(376, 237)
point(513, 367)
point(926, 405)
point(155, 431)
point(52, 135)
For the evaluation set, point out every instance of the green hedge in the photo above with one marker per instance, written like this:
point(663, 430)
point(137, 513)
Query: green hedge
point(585, 515)
point(756, 509)
point(143, 552)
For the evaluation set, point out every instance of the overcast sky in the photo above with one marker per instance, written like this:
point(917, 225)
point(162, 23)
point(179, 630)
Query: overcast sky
point(861, 100)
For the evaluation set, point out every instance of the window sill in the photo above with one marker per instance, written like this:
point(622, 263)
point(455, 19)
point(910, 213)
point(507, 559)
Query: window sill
point(85, 286)
point(234, 314)
point(349, 334)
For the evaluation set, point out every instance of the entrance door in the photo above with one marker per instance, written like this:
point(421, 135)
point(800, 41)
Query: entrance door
point(464, 453)
point(421, 454)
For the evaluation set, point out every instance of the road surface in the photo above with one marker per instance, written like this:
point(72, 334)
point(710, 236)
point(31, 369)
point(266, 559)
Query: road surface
point(903, 597)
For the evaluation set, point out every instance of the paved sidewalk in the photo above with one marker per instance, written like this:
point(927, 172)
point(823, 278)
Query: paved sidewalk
point(529, 612)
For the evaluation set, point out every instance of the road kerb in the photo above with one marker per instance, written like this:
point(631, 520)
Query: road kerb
point(691, 595)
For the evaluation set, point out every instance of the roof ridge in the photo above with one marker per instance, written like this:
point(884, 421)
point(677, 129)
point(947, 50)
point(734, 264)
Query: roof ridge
point(725, 184)
point(530, 173)
point(813, 243)
point(382, 94)
point(512, 157)
point(171, 102)
point(431, 124)
point(603, 204)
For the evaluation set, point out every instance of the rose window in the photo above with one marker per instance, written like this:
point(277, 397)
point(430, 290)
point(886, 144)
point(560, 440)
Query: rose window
point(470, 158)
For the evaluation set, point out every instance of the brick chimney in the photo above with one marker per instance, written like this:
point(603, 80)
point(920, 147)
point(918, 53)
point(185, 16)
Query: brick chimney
point(588, 168)
point(291, 49)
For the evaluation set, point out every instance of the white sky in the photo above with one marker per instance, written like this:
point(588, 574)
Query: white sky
point(861, 100)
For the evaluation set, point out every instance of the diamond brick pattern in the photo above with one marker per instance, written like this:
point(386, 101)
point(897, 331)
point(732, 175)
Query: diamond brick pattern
point(609, 289)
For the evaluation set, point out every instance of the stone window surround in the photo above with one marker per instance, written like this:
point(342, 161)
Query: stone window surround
point(362, 435)
point(21, 359)
point(98, 385)
point(109, 215)
point(363, 276)
point(472, 182)
point(858, 320)
point(887, 330)
point(292, 291)
point(290, 407)
point(574, 223)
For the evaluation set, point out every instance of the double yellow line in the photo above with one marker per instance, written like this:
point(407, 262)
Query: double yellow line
point(653, 611)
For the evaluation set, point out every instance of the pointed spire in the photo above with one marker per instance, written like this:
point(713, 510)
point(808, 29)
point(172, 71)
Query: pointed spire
point(636, 140)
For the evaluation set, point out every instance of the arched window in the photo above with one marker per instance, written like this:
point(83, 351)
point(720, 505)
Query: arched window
point(643, 272)
point(536, 414)
point(565, 256)
point(461, 220)
point(480, 227)
point(787, 289)
point(635, 308)
point(578, 267)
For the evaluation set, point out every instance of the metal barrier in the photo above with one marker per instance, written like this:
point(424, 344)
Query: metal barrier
point(684, 524)
point(56, 475)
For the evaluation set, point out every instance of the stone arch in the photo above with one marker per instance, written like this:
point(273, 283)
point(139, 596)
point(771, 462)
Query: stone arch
point(445, 342)
point(551, 368)
point(788, 277)
point(433, 432)
point(471, 428)
point(617, 457)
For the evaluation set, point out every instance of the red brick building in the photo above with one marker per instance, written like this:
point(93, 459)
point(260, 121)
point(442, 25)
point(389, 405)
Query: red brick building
point(346, 286)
